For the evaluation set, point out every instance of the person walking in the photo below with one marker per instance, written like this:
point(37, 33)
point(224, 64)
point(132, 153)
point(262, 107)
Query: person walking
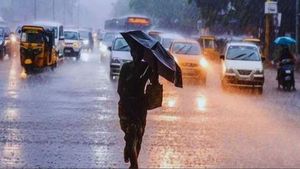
point(133, 103)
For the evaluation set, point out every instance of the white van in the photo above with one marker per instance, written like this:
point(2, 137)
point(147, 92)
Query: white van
point(242, 65)
point(59, 34)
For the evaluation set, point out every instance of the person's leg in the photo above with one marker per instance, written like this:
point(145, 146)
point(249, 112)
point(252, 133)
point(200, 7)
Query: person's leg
point(131, 144)
point(124, 123)
point(141, 132)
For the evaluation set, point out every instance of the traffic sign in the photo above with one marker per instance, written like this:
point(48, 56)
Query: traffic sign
point(271, 7)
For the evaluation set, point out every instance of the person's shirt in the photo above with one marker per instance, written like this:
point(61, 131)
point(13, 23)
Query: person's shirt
point(286, 56)
point(133, 79)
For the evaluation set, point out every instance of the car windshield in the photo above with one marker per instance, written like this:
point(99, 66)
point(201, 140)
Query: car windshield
point(32, 37)
point(121, 45)
point(186, 48)
point(243, 53)
point(208, 43)
point(69, 35)
point(84, 35)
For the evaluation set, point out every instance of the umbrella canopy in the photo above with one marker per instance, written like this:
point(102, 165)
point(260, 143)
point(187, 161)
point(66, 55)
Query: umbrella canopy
point(285, 40)
point(155, 55)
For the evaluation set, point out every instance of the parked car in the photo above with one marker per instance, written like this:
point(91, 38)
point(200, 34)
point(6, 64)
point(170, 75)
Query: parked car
point(187, 54)
point(86, 36)
point(73, 44)
point(242, 66)
point(120, 54)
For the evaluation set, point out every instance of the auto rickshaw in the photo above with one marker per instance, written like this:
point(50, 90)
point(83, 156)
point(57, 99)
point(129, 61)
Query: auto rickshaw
point(209, 47)
point(253, 40)
point(37, 49)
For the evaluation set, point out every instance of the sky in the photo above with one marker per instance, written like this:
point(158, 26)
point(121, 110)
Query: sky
point(95, 12)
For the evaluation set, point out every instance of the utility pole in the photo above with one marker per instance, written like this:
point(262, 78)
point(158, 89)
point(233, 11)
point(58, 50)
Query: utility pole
point(78, 13)
point(267, 35)
point(64, 15)
point(297, 26)
point(34, 10)
point(53, 10)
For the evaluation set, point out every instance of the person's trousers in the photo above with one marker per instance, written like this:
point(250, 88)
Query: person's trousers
point(133, 128)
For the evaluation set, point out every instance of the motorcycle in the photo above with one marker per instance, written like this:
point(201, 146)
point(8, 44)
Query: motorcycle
point(286, 75)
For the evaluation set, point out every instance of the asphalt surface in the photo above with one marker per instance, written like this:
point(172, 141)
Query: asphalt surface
point(68, 118)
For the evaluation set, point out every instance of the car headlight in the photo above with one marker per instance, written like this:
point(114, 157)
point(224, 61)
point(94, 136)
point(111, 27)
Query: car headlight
point(76, 45)
point(85, 42)
point(115, 60)
point(203, 63)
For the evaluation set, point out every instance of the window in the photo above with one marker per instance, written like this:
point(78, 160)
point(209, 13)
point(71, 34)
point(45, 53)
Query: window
point(30, 37)
point(121, 45)
point(71, 35)
point(186, 48)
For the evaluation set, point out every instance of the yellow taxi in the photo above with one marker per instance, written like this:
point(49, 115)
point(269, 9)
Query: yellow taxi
point(188, 55)
point(209, 46)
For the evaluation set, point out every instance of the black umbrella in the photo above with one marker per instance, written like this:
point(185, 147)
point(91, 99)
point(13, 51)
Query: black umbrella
point(155, 55)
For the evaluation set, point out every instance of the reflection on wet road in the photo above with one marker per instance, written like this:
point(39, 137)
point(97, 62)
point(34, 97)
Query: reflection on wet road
point(68, 118)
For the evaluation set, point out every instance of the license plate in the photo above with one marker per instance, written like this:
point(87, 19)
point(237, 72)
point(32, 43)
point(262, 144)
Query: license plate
point(28, 61)
point(288, 71)
point(68, 51)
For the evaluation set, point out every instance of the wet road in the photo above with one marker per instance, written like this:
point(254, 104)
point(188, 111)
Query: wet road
point(68, 118)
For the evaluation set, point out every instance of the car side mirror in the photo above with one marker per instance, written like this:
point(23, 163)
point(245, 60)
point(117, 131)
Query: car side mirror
point(61, 38)
point(109, 48)
point(222, 57)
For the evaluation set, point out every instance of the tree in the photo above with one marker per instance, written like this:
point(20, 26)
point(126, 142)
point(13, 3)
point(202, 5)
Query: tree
point(176, 15)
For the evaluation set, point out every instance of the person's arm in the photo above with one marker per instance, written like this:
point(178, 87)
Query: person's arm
point(122, 78)
point(154, 77)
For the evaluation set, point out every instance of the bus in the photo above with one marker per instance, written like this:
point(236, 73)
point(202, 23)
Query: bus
point(128, 23)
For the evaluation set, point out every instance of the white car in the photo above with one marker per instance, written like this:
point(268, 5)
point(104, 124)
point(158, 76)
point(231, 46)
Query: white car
point(73, 46)
point(120, 54)
point(242, 65)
